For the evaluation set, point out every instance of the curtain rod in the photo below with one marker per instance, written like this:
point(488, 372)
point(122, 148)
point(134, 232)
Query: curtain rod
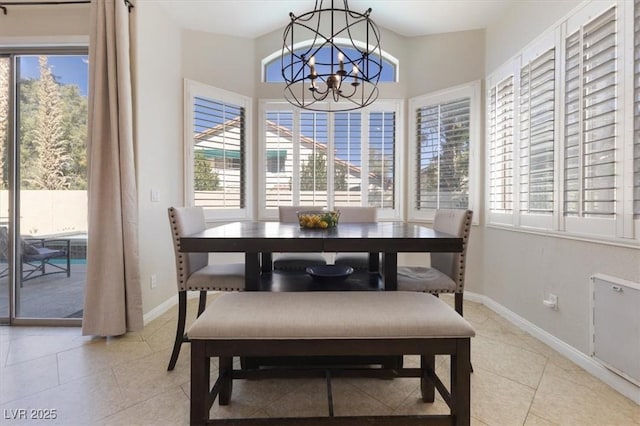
point(4, 4)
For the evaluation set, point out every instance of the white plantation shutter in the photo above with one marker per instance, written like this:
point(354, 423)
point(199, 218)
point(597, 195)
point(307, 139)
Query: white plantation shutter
point(313, 170)
point(536, 134)
point(278, 182)
point(501, 123)
point(590, 119)
point(636, 109)
point(328, 159)
point(218, 154)
point(347, 128)
point(382, 159)
point(442, 134)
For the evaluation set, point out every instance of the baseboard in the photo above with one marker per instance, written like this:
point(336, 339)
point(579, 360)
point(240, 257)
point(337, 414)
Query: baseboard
point(160, 309)
point(596, 369)
point(165, 306)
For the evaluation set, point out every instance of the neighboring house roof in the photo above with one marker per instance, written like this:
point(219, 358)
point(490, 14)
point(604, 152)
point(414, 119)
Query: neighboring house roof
point(282, 131)
point(312, 144)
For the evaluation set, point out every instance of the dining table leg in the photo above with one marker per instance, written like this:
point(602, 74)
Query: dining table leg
point(252, 271)
point(267, 262)
point(374, 262)
point(390, 271)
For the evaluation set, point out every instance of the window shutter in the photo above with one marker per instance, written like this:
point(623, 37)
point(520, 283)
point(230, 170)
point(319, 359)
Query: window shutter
point(537, 118)
point(347, 172)
point(501, 146)
point(443, 155)
point(218, 153)
point(313, 158)
point(590, 119)
point(382, 143)
point(278, 178)
point(636, 110)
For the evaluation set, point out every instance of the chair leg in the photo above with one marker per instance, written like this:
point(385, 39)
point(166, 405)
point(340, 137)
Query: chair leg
point(458, 303)
point(202, 303)
point(182, 316)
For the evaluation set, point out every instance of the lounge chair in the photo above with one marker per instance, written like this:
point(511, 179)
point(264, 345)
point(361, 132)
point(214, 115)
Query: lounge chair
point(37, 256)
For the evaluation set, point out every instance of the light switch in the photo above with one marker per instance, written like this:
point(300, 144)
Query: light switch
point(155, 195)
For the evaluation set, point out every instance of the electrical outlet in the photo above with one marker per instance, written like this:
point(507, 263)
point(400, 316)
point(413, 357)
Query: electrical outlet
point(154, 281)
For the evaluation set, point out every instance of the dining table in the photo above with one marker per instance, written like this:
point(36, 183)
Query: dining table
point(259, 239)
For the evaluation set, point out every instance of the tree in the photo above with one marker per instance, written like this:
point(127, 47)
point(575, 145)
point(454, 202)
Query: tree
point(448, 169)
point(313, 174)
point(204, 178)
point(4, 119)
point(51, 157)
point(75, 115)
point(340, 180)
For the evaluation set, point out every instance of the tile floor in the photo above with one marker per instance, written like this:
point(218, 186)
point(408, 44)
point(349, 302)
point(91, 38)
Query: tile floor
point(123, 381)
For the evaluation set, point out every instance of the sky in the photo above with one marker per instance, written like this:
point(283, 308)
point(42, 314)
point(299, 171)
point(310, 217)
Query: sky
point(67, 69)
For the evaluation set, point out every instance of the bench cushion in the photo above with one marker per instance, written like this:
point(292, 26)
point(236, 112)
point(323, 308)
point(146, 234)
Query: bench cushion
point(328, 315)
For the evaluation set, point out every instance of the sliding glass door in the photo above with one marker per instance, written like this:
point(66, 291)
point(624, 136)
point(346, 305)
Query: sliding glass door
point(46, 186)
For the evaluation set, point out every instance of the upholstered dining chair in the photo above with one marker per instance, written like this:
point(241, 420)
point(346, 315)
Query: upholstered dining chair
point(195, 273)
point(446, 274)
point(356, 214)
point(296, 261)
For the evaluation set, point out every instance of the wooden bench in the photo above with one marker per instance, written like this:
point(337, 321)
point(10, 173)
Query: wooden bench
point(263, 324)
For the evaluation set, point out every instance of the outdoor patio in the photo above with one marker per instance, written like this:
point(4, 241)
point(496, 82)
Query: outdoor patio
point(49, 296)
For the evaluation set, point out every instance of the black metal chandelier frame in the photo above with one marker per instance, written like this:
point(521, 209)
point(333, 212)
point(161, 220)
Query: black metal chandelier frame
point(352, 72)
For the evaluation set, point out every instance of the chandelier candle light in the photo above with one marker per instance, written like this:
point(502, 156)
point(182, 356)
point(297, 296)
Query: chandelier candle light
point(323, 67)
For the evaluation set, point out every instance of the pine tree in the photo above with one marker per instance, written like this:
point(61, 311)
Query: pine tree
point(51, 158)
point(4, 119)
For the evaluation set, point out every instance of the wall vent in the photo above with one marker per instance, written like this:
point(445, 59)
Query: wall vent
point(616, 325)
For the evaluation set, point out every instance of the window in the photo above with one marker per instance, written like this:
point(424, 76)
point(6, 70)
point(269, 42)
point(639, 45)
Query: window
point(445, 136)
point(216, 151)
point(537, 134)
point(332, 160)
point(577, 163)
point(590, 119)
point(501, 129)
point(276, 160)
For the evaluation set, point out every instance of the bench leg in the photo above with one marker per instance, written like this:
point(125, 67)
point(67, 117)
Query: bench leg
point(200, 370)
point(461, 382)
point(226, 365)
point(427, 388)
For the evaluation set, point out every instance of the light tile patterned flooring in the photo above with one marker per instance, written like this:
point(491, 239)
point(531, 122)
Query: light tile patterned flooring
point(517, 380)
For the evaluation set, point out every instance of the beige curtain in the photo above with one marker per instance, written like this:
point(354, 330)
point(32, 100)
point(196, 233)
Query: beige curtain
point(113, 301)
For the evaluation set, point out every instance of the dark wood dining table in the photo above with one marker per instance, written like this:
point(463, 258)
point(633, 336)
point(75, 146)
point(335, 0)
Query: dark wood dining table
point(257, 240)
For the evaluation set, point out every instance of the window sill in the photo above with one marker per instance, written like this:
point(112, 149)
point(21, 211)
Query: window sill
point(618, 242)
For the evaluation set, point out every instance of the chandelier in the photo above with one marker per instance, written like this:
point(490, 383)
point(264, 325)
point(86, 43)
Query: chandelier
point(331, 59)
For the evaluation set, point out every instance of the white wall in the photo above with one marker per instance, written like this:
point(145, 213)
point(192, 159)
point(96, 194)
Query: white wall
point(158, 139)
point(440, 61)
point(520, 24)
point(521, 269)
point(225, 62)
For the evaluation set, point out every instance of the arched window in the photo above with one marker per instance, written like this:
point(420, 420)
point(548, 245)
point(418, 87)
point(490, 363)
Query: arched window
point(272, 64)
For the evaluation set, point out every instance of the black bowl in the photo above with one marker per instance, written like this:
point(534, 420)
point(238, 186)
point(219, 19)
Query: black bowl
point(329, 272)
